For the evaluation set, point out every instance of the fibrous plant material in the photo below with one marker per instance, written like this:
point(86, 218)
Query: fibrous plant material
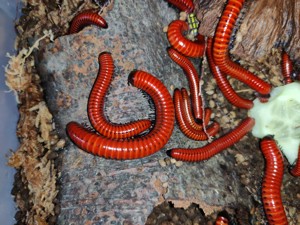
point(18, 78)
point(37, 171)
point(35, 187)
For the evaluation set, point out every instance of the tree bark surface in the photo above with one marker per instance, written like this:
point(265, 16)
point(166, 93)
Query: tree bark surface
point(263, 25)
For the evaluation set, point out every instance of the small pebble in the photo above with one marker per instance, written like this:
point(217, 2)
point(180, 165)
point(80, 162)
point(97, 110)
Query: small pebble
point(178, 163)
point(61, 143)
point(221, 99)
point(292, 211)
point(201, 82)
point(52, 155)
point(211, 104)
point(165, 184)
point(245, 163)
point(218, 114)
point(251, 69)
point(162, 162)
point(209, 92)
point(165, 29)
point(168, 161)
point(239, 158)
point(232, 114)
point(245, 180)
point(172, 87)
point(53, 139)
point(225, 119)
point(182, 16)
point(173, 160)
point(237, 122)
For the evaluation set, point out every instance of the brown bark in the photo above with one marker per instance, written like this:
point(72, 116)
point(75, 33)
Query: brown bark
point(265, 24)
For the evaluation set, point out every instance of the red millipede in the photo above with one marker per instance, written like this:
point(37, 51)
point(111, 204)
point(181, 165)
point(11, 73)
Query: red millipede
point(140, 146)
point(220, 50)
point(187, 112)
point(223, 83)
point(221, 221)
point(211, 149)
point(182, 44)
point(295, 171)
point(287, 68)
point(272, 181)
point(183, 5)
point(84, 19)
point(96, 105)
point(186, 129)
point(193, 80)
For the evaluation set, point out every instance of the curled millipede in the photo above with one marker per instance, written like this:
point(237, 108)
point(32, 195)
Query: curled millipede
point(183, 5)
point(295, 171)
point(184, 125)
point(96, 105)
point(193, 80)
point(272, 181)
point(223, 83)
point(211, 149)
point(220, 50)
point(188, 115)
point(221, 221)
point(182, 44)
point(84, 19)
point(140, 146)
point(287, 68)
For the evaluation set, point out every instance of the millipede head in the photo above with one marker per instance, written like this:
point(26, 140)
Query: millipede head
point(131, 77)
point(104, 53)
point(169, 153)
point(268, 137)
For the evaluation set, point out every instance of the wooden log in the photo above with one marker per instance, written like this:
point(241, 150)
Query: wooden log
point(263, 25)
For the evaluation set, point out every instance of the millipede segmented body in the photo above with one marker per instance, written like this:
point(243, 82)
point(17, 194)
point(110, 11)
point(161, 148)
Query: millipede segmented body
point(185, 126)
point(188, 115)
point(183, 5)
point(193, 80)
point(140, 146)
point(84, 19)
point(182, 44)
point(220, 50)
point(223, 83)
point(221, 221)
point(272, 181)
point(287, 68)
point(214, 147)
point(96, 105)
